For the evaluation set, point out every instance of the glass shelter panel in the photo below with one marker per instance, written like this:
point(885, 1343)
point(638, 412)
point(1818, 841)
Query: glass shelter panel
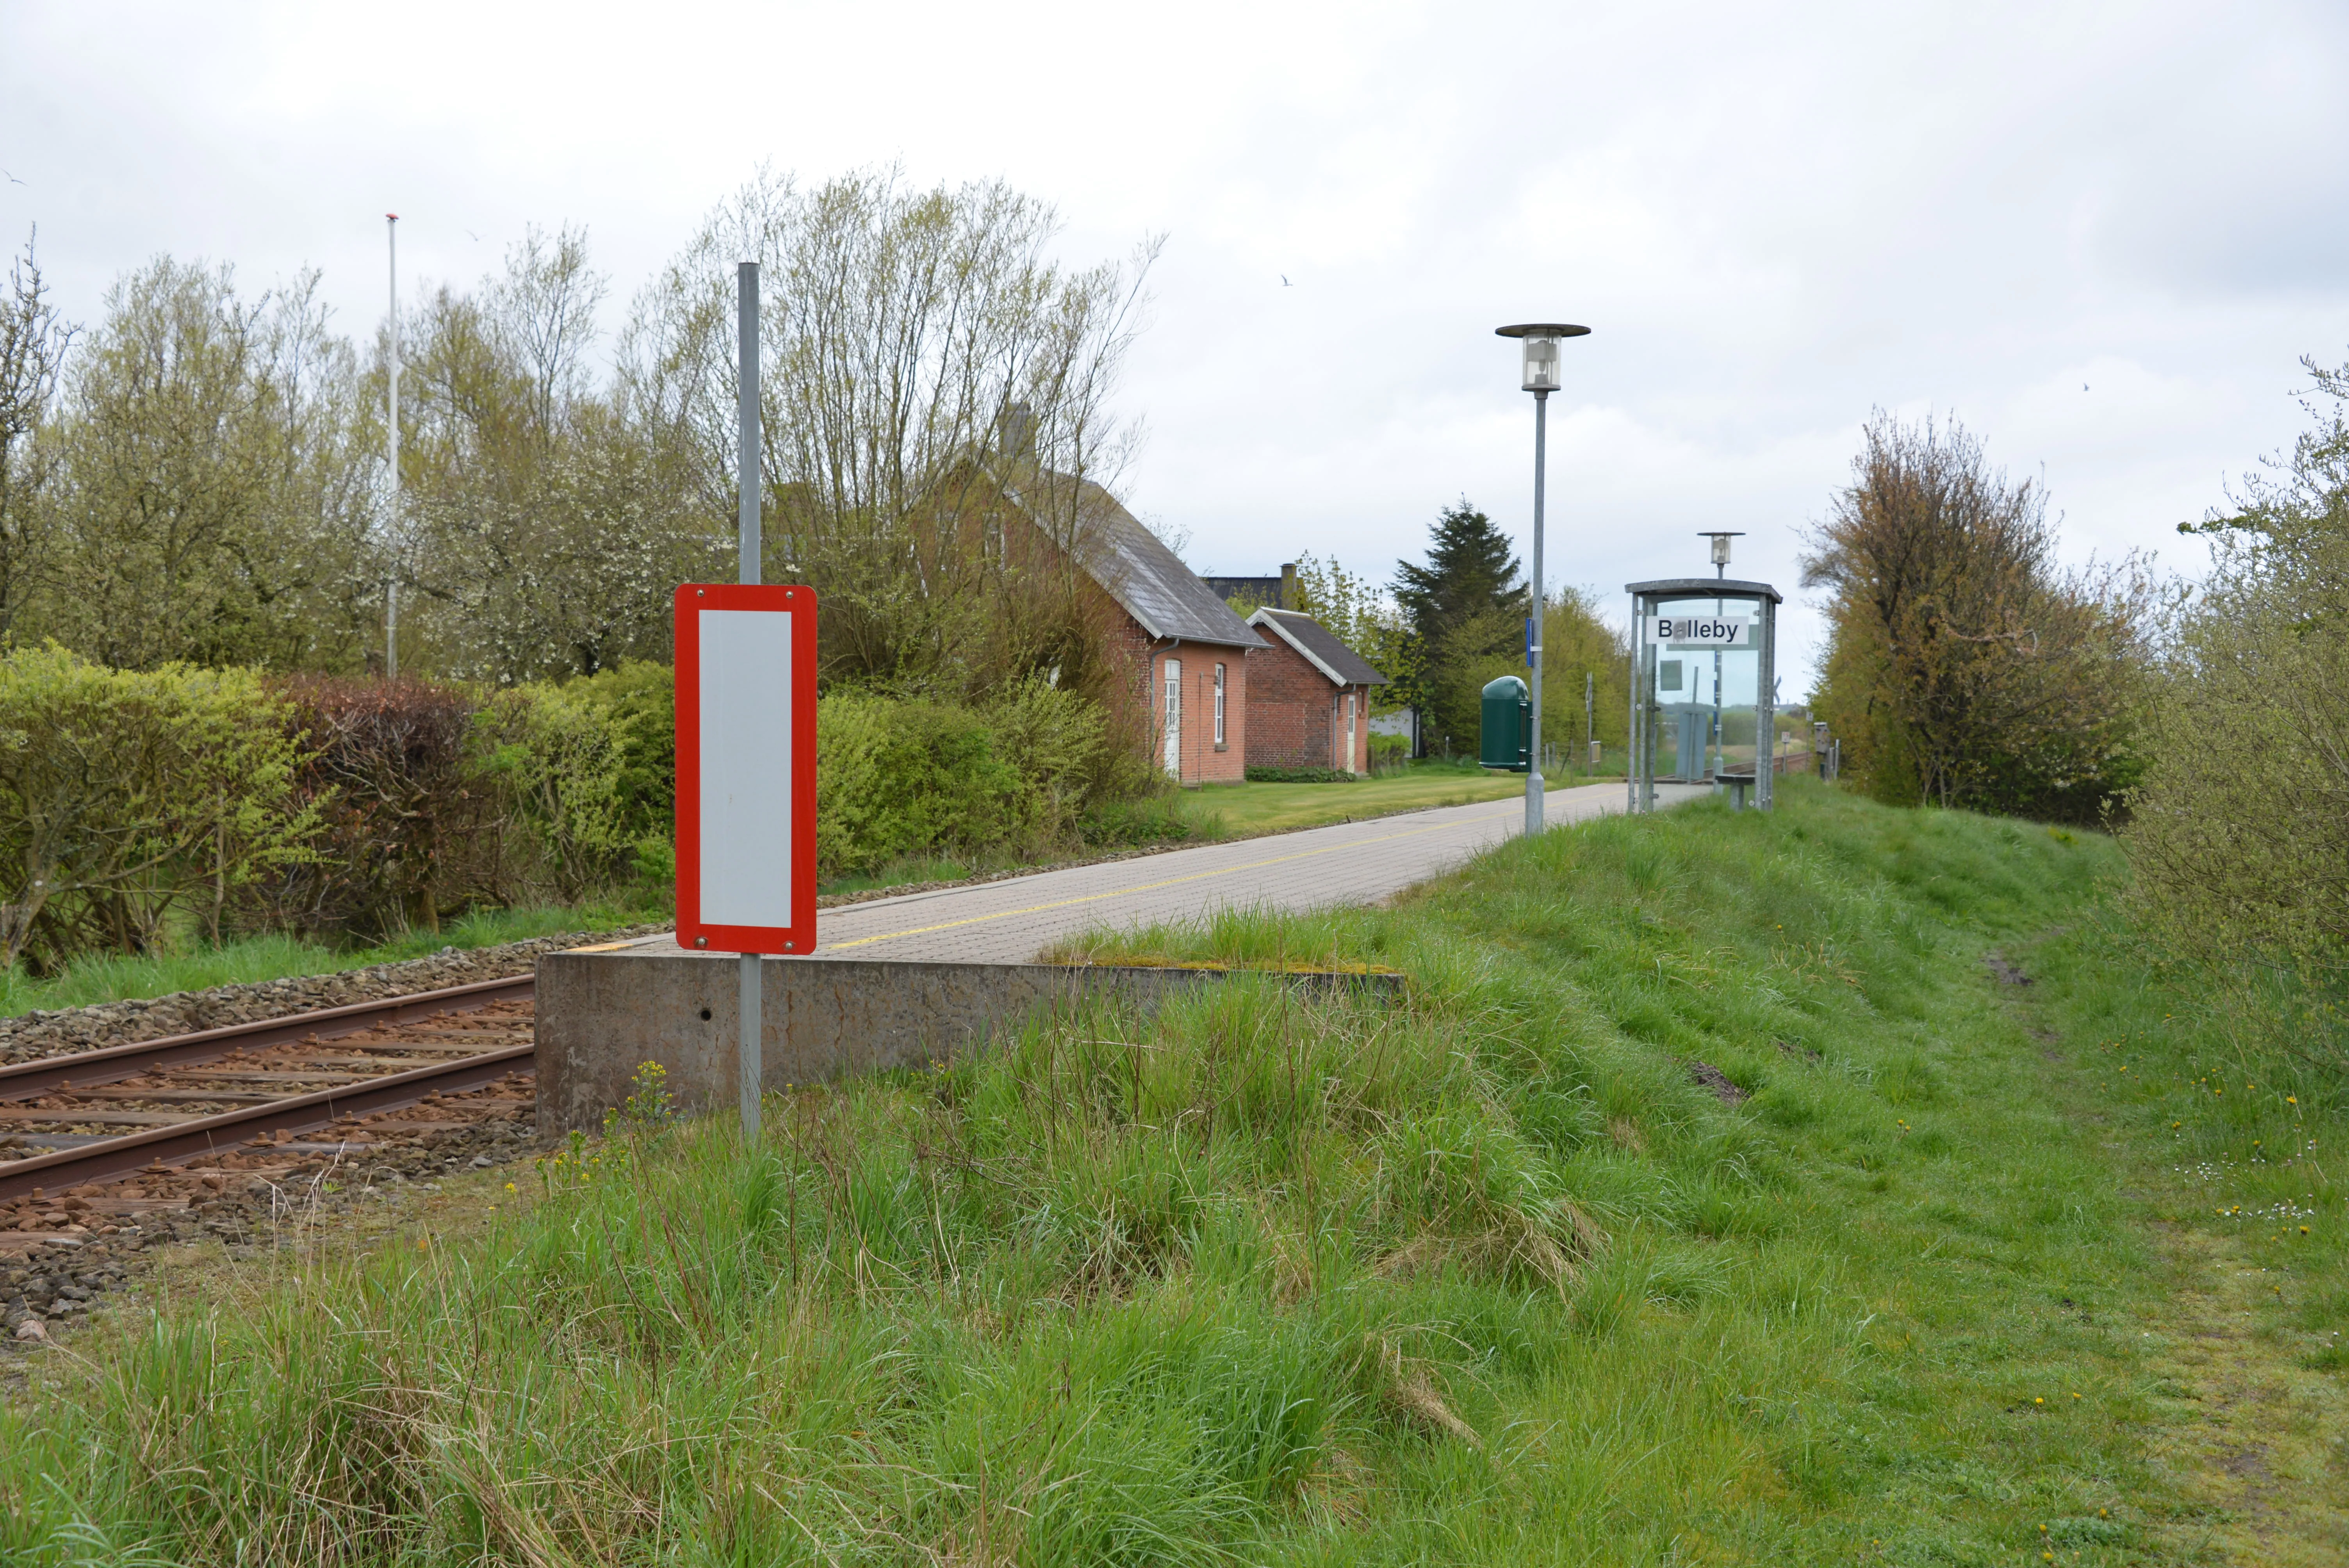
point(1703, 692)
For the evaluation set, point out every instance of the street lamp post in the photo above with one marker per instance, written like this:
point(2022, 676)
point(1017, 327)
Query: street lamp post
point(1540, 341)
point(1720, 537)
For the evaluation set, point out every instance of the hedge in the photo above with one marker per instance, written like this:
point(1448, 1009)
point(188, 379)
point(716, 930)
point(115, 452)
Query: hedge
point(135, 803)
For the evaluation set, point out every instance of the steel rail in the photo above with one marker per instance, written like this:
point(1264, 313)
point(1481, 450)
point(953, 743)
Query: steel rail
point(224, 1133)
point(110, 1064)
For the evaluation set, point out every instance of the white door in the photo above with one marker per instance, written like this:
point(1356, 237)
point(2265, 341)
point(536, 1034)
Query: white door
point(1348, 765)
point(1174, 718)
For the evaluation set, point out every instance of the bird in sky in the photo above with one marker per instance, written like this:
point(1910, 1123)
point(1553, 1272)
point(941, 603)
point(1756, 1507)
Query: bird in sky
point(2083, 387)
point(12, 179)
point(1285, 283)
point(477, 240)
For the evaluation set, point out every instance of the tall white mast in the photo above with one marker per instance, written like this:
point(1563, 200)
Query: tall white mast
point(391, 578)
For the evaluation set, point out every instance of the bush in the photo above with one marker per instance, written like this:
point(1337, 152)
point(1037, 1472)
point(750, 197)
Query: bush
point(1031, 773)
point(411, 834)
point(1389, 752)
point(1151, 817)
point(1304, 774)
point(638, 703)
point(2239, 835)
point(557, 756)
point(903, 777)
point(127, 796)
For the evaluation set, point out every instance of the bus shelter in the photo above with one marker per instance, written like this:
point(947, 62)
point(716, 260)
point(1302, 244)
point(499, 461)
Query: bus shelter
point(1703, 687)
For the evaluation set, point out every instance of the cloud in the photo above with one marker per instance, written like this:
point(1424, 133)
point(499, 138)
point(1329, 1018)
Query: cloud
point(1775, 219)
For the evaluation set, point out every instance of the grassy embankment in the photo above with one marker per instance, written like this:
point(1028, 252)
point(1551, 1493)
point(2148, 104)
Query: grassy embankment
point(1491, 1277)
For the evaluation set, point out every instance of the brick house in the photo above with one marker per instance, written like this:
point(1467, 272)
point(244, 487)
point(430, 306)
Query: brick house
point(1309, 697)
point(1180, 654)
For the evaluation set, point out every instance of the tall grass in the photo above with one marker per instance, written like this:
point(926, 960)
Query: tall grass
point(1484, 1277)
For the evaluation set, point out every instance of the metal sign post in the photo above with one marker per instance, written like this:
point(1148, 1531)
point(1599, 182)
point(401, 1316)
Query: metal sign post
point(752, 1066)
point(746, 656)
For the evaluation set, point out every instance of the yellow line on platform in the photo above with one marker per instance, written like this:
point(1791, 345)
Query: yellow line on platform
point(1147, 887)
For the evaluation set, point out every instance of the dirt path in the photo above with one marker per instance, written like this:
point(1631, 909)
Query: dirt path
point(2255, 1443)
point(2249, 1436)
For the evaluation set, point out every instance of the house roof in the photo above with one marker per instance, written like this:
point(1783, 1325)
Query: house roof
point(1150, 583)
point(1320, 646)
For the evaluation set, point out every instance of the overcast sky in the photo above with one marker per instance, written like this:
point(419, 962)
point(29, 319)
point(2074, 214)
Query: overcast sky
point(2103, 235)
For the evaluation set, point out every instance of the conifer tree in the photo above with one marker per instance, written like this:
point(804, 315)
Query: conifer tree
point(1464, 605)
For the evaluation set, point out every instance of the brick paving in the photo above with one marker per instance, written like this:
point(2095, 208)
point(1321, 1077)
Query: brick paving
point(1011, 921)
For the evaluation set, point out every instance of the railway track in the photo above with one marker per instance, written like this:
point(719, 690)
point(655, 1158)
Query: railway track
point(260, 1100)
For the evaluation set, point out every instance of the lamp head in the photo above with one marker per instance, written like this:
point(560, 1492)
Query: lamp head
point(1721, 538)
point(1541, 339)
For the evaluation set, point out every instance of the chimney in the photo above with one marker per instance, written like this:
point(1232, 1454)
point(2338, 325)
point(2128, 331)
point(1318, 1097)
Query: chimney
point(1288, 595)
point(1018, 431)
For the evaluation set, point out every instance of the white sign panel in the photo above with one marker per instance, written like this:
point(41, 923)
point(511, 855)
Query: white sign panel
point(746, 768)
point(1701, 631)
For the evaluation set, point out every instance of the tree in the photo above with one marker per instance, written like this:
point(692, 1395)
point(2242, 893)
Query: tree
point(546, 521)
point(1463, 608)
point(210, 501)
point(2239, 833)
point(1964, 668)
point(923, 356)
point(1363, 618)
point(33, 344)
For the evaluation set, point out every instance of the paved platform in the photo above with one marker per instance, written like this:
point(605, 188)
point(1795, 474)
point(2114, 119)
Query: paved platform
point(1012, 920)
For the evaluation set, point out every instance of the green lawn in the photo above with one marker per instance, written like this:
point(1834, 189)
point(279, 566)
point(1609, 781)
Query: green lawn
point(1710, 1201)
point(1245, 809)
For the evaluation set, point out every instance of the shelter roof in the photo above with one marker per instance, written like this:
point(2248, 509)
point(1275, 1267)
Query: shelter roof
point(1704, 588)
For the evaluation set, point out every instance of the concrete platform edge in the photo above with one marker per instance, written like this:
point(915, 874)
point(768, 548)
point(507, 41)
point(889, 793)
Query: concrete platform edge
point(600, 1015)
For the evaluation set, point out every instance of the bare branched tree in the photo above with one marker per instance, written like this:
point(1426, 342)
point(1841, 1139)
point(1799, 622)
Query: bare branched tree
point(924, 356)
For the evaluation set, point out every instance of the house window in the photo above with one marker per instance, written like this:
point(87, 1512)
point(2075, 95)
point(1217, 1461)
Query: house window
point(1219, 706)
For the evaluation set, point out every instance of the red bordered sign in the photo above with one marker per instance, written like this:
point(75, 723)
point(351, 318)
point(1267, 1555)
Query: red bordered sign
point(746, 768)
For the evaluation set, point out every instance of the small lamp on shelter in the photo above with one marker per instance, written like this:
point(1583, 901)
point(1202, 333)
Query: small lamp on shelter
point(1720, 549)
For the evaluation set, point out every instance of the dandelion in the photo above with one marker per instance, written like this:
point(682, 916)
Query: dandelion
point(2039, 1401)
point(2290, 1100)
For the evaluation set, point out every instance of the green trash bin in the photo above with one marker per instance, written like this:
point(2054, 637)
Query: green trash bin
point(1506, 736)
